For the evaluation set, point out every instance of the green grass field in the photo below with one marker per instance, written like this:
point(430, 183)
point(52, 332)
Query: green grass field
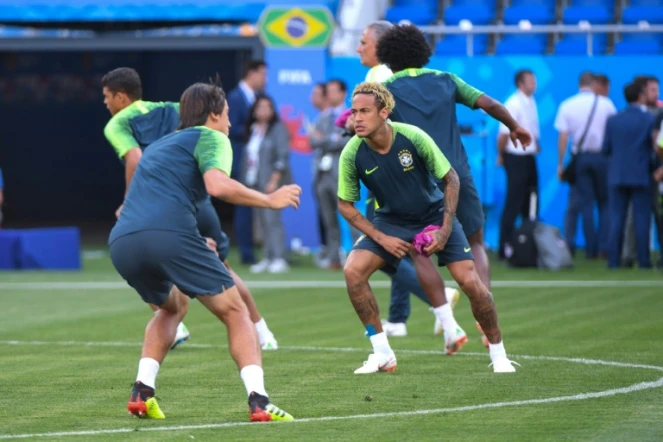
point(590, 343)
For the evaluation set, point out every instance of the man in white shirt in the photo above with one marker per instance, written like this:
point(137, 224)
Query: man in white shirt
point(366, 50)
point(520, 164)
point(583, 117)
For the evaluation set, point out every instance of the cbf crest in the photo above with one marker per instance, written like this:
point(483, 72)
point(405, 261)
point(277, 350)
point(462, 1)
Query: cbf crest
point(405, 157)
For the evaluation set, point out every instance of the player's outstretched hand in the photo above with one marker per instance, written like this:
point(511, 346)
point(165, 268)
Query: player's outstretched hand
point(521, 135)
point(118, 211)
point(395, 246)
point(286, 196)
point(440, 238)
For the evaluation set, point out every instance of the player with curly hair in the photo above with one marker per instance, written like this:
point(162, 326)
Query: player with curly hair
point(427, 98)
point(400, 164)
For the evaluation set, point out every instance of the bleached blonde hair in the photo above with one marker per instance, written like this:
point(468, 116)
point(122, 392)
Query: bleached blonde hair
point(383, 97)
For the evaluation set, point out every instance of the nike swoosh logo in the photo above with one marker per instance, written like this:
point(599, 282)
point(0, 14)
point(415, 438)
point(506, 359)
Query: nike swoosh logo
point(368, 172)
point(467, 249)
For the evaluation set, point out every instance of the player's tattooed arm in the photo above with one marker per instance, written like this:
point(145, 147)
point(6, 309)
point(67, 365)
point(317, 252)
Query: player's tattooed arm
point(358, 221)
point(451, 192)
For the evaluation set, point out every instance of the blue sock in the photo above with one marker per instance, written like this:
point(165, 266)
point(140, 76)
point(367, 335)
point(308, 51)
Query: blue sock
point(370, 331)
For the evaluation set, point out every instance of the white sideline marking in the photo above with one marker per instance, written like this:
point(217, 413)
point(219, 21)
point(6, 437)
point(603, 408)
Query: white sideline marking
point(577, 397)
point(584, 361)
point(117, 285)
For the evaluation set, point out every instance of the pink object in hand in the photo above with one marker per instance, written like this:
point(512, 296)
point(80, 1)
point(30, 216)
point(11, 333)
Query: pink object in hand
point(423, 239)
point(343, 118)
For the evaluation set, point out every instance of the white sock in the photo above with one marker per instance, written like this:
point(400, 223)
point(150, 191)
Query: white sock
point(380, 344)
point(147, 371)
point(497, 351)
point(253, 378)
point(263, 330)
point(444, 314)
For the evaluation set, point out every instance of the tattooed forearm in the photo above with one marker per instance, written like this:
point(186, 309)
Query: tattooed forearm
point(451, 192)
point(357, 220)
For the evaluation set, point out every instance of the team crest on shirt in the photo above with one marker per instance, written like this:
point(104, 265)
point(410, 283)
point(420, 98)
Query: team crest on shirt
point(405, 157)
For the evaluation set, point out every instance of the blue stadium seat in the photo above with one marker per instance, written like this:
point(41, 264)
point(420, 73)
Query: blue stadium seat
point(519, 44)
point(608, 4)
point(536, 14)
point(576, 44)
point(455, 44)
point(638, 44)
point(651, 14)
point(415, 14)
point(478, 16)
point(490, 4)
point(645, 3)
point(597, 15)
point(549, 3)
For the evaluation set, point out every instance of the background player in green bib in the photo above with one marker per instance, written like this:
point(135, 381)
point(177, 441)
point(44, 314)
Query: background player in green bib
point(157, 248)
point(400, 164)
point(427, 98)
point(135, 125)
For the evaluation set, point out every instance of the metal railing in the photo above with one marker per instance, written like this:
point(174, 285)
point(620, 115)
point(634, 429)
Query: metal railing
point(524, 28)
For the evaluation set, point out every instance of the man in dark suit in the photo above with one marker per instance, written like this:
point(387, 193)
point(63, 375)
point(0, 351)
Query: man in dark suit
point(240, 100)
point(627, 143)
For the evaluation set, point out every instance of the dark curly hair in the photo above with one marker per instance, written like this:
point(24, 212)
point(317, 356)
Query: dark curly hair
point(403, 47)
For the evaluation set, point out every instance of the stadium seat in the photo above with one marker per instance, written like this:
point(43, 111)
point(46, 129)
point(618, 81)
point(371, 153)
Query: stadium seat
point(576, 44)
point(597, 15)
point(419, 12)
point(536, 14)
point(457, 45)
point(478, 16)
point(638, 44)
point(549, 3)
point(645, 3)
point(651, 14)
point(415, 14)
point(608, 4)
point(490, 4)
point(519, 44)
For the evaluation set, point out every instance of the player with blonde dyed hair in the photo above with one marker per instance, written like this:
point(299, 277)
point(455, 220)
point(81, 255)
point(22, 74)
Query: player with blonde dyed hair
point(400, 164)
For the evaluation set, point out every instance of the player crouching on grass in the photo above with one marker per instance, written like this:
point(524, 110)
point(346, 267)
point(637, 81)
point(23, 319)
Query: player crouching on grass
point(157, 248)
point(399, 163)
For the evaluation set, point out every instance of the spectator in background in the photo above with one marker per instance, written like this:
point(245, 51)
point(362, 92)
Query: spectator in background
point(629, 251)
point(265, 168)
point(2, 195)
point(520, 164)
point(319, 101)
point(327, 142)
point(627, 144)
point(240, 100)
point(601, 85)
point(366, 50)
point(583, 118)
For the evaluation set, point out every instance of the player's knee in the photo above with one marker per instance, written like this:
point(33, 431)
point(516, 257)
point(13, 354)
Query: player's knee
point(469, 281)
point(353, 273)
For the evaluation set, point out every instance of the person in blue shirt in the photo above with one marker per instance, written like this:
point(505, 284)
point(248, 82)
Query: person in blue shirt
point(135, 124)
point(427, 98)
point(401, 165)
point(628, 146)
point(157, 248)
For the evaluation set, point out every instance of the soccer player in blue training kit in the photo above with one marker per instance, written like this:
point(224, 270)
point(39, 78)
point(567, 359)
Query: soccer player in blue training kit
point(157, 248)
point(404, 281)
point(135, 125)
point(400, 164)
point(427, 98)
